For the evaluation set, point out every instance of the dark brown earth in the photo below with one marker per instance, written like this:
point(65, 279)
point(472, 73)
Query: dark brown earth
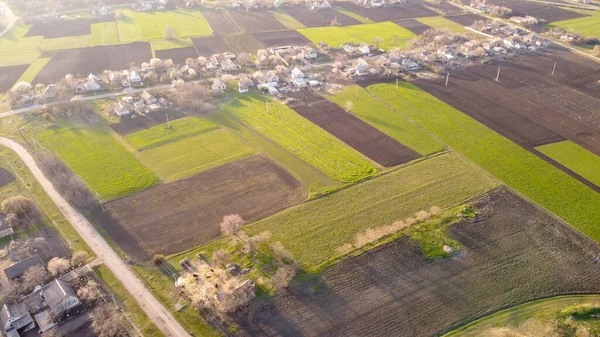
point(237, 21)
point(208, 46)
point(546, 13)
point(173, 217)
point(66, 28)
point(413, 25)
point(366, 139)
point(282, 38)
point(131, 125)
point(319, 18)
point(83, 61)
point(5, 177)
point(221, 22)
point(244, 43)
point(444, 8)
point(512, 253)
point(10, 75)
point(390, 12)
point(466, 19)
point(178, 55)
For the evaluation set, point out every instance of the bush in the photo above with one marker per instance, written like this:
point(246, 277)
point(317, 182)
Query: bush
point(591, 40)
point(170, 33)
point(79, 258)
point(158, 259)
point(18, 205)
point(58, 265)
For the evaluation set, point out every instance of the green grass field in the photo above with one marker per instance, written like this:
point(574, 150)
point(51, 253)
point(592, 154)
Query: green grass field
point(550, 187)
point(575, 158)
point(145, 26)
point(99, 159)
point(33, 70)
point(162, 134)
point(105, 33)
point(372, 111)
point(439, 22)
point(188, 156)
point(69, 42)
point(392, 35)
point(314, 230)
point(287, 20)
point(587, 26)
point(15, 49)
point(302, 138)
point(355, 16)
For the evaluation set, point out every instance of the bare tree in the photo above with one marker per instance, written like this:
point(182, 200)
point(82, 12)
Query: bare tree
point(596, 51)
point(377, 41)
point(220, 257)
point(348, 105)
point(35, 275)
point(10, 291)
point(193, 96)
point(19, 205)
point(283, 276)
point(90, 291)
point(170, 33)
point(79, 258)
point(231, 224)
point(58, 266)
point(335, 21)
point(108, 322)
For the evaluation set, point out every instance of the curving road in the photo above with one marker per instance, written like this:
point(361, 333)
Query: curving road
point(154, 309)
point(12, 18)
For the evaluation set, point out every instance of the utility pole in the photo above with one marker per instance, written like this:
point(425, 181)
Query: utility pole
point(396, 85)
point(168, 123)
point(267, 106)
point(356, 92)
point(553, 68)
point(498, 75)
point(100, 201)
point(447, 77)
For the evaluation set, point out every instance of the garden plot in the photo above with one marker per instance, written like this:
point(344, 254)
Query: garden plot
point(413, 25)
point(5, 177)
point(391, 12)
point(178, 55)
point(66, 28)
point(141, 122)
point(466, 19)
point(543, 12)
point(575, 158)
point(9, 76)
point(281, 38)
point(208, 46)
point(320, 18)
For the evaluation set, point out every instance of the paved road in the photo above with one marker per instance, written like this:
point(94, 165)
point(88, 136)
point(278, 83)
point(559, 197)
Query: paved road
point(154, 309)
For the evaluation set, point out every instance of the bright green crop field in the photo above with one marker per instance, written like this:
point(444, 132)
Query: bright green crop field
point(575, 158)
point(301, 137)
point(439, 22)
point(171, 44)
point(550, 187)
point(105, 33)
point(392, 35)
point(15, 49)
point(287, 20)
point(145, 26)
point(69, 42)
point(99, 159)
point(388, 121)
point(314, 230)
point(587, 25)
point(188, 156)
point(34, 68)
point(163, 134)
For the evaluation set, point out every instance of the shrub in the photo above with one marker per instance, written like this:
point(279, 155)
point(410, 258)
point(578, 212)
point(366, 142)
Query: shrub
point(79, 258)
point(58, 265)
point(158, 259)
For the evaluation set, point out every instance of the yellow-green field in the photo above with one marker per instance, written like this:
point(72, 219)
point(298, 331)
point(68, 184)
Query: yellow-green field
point(439, 22)
point(146, 26)
point(105, 33)
point(166, 133)
point(575, 158)
point(587, 25)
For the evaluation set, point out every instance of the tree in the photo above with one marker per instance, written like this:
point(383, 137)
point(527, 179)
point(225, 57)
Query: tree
point(79, 258)
point(192, 96)
point(231, 224)
point(118, 16)
point(35, 275)
point(108, 322)
point(283, 276)
point(170, 33)
point(349, 105)
point(58, 266)
point(335, 22)
point(220, 257)
point(157, 63)
point(10, 291)
point(596, 51)
point(89, 292)
point(377, 41)
point(19, 205)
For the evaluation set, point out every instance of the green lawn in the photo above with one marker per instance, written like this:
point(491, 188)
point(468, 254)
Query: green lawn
point(287, 20)
point(15, 49)
point(95, 154)
point(171, 44)
point(439, 22)
point(372, 111)
point(392, 35)
point(355, 16)
point(162, 134)
point(314, 230)
point(145, 26)
point(33, 70)
point(105, 33)
point(302, 138)
point(587, 26)
point(188, 156)
point(69, 42)
point(550, 187)
point(575, 158)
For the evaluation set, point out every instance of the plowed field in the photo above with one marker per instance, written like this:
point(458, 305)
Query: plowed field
point(178, 55)
point(391, 12)
point(10, 75)
point(320, 18)
point(413, 25)
point(5, 177)
point(545, 13)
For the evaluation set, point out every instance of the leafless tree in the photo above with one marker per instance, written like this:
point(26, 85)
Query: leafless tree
point(377, 41)
point(283, 276)
point(170, 33)
point(220, 257)
point(335, 21)
point(35, 275)
point(193, 96)
point(231, 224)
point(89, 292)
point(108, 322)
point(596, 51)
point(58, 265)
point(79, 258)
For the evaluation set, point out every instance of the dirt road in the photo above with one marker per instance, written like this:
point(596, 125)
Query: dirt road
point(12, 18)
point(154, 309)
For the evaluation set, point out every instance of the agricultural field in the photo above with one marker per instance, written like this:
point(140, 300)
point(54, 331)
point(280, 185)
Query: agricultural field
point(439, 22)
point(82, 147)
point(287, 20)
point(126, 126)
point(33, 69)
point(69, 42)
point(393, 124)
point(391, 12)
point(575, 158)
point(313, 231)
point(186, 213)
point(10, 75)
point(145, 26)
point(512, 252)
point(83, 61)
point(171, 44)
point(67, 28)
point(5, 177)
point(517, 167)
point(416, 27)
point(105, 33)
point(188, 156)
point(587, 26)
point(392, 35)
point(466, 19)
point(544, 13)
point(361, 136)
point(208, 46)
point(225, 22)
point(17, 49)
point(281, 38)
point(320, 18)
point(177, 55)
point(242, 43)
point(302, 138)
point(162, 134)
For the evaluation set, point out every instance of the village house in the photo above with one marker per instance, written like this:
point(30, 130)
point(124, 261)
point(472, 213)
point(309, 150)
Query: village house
point(134, 78)
point(309, 53)
point(296, 73)
point(16, 319)
point(362, 67)
point(19, 268)
point(364, 49)
point(350, 49)
point(227, 65)
point(244, 84)
point(49, 94)
point(271, 76)
point(218, 87)
point(142, 7)
point(377, 3)
point(122, 109)
point(148, 98)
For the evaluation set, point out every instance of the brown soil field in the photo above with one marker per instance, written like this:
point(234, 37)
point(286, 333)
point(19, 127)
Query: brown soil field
point(66, 28)
point(466, 19)
point(319, 18)
point(243, 43)
point(237, 21)
point(412, 25)
point(10, 75)
point(208, 46)
point(444, 8)
point(129, 125)
point(83, 61)
point(5, 177)
point(173, 217)
point(546, 13)
point(361, 136)
point(221, 22)
point(282, 38)
point(512, 252)
point(390, 12)
point(178, 55)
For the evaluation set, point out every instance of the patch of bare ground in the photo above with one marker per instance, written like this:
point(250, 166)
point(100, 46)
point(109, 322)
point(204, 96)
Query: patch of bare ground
point(391, 12)
point(320, 18)
point(5, 177)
